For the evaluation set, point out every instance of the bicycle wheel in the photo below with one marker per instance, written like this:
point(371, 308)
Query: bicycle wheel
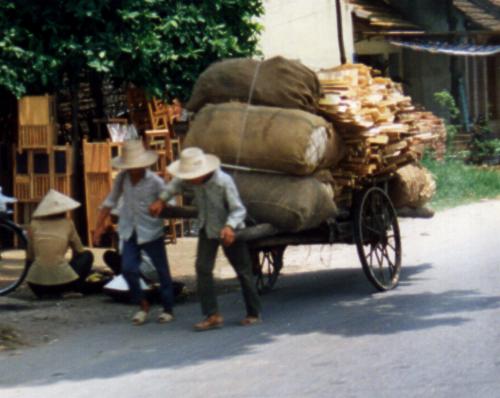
point(13, 264)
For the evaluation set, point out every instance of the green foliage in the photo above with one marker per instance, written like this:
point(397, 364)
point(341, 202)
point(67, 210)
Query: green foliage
point(458, 183)
point(161, 45)
point(484, 148)
point(447, 102)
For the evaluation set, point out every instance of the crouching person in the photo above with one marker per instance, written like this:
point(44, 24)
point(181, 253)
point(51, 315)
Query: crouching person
point(138, 187)
point(220, 213)
point(50, 234)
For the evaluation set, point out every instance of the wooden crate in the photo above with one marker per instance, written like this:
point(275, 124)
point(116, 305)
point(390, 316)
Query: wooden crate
point(37, 123)
point(37, 110)
point(98, 178)
point(36, 172)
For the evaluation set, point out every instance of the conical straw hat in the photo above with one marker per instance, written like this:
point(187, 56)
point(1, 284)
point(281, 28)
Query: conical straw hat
point(55, 203)
point(134, 156)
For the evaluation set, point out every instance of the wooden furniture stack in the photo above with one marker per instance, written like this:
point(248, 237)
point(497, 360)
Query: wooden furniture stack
point(98, 178)
point(378, 123)
point(160, 114)
point(39, 164)
point(154, 119)
point(162, 139)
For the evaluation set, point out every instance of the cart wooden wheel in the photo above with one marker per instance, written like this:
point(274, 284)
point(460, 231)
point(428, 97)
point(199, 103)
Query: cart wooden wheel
point(267, 264)
point(377, 238)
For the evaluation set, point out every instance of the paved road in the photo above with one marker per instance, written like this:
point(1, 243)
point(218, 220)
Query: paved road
point(326, 333)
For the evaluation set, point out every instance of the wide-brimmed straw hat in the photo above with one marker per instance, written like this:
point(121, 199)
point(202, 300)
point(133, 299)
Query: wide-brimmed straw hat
point(55, 203)
point(193, 163)
point(134, 156)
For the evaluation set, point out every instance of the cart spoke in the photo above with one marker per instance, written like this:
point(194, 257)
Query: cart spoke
point(370, 255)
point(376, 231)
point(378, 257)
point(380, 268)
point(391, 246)
point(388, 257)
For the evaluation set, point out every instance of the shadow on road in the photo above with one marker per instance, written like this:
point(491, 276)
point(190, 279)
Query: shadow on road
point(340, 303)
point(354, 308)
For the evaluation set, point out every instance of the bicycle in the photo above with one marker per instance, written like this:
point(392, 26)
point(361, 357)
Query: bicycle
point(13, 256)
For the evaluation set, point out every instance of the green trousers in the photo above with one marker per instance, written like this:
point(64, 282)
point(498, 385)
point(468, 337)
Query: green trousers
point(239, 257)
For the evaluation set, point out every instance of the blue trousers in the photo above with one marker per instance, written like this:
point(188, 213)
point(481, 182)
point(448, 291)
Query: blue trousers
point(131, 260)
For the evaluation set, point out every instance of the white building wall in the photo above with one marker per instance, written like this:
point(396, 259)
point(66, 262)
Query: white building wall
point(306, 30)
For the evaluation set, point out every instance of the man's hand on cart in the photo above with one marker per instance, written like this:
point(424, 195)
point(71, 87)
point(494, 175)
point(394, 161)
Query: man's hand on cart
point(157, 207)
point(227, 236)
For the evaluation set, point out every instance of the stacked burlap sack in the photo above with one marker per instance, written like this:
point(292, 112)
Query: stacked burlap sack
point(275, 82)
point(413, 186)
point(257, 116)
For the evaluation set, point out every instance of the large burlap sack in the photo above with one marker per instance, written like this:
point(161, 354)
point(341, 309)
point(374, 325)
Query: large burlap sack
point(275, 82)
point(287, 140)
point(289, 203)
point(413, 186)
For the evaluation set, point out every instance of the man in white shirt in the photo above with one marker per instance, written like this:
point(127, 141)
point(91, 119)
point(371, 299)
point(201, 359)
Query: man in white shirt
point(138, 187)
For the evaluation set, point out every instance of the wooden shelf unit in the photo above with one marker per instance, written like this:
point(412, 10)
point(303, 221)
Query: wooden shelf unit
point(35, 172)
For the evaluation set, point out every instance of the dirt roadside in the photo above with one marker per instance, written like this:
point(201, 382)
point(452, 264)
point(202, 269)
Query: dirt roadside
point(26, 321)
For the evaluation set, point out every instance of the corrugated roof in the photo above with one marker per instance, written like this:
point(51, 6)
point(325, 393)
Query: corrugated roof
point(378, 15)
point(441, 47)
point(485, 13)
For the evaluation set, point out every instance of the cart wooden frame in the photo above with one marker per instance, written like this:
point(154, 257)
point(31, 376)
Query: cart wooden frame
point(370, 223)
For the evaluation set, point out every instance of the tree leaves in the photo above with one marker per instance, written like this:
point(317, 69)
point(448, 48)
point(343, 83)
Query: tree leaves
point(161, 45)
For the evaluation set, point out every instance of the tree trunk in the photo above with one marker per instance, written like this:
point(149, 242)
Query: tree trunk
point(76, 143)
point(96, 92)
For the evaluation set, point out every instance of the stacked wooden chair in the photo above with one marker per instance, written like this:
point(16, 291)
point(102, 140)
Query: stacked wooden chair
point(162, 139)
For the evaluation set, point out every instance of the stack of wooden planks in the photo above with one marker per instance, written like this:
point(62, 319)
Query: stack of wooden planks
point(380, 126)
